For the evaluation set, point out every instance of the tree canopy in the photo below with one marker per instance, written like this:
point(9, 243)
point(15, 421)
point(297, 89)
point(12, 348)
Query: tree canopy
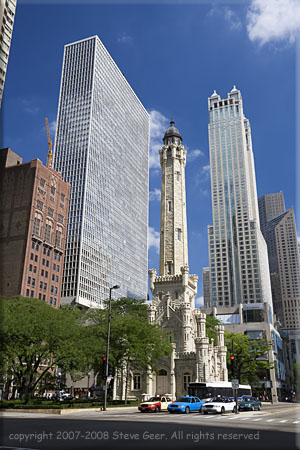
point(132, 338)
point(250, 357)
point(36, 339)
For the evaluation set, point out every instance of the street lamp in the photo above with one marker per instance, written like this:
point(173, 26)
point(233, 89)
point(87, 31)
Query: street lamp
point(107, 344)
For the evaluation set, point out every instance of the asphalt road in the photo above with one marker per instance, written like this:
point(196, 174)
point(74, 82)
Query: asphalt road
point(275, 427)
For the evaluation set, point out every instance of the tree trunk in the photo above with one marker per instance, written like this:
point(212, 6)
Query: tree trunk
point(126, 381)
point(6, 388)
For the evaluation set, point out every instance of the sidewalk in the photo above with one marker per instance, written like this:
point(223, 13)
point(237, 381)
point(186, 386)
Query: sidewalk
point(9, 412)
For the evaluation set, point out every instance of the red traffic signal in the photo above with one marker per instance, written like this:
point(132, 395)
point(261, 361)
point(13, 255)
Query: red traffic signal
point(104, 358)
point(232, 357)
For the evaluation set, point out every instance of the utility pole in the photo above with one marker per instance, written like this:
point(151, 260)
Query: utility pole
point(107, 345)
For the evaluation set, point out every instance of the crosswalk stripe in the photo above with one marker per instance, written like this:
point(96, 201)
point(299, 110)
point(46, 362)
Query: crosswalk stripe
point(256, 420)
point(270, 420)
point(281, 421)
point(297, 421)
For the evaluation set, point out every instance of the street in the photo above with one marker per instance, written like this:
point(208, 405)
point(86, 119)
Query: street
point(274, 427)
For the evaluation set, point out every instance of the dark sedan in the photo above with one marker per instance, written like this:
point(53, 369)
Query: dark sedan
point(249, 404)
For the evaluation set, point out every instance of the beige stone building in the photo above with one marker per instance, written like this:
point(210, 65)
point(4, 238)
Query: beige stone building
point(194, 357)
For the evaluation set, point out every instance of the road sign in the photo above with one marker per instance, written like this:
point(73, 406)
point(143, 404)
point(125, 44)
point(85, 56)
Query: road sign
point(235, 384)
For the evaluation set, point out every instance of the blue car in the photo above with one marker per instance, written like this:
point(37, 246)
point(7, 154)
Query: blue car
point(185, 405)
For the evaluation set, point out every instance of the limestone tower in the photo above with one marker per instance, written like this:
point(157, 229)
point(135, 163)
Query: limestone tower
point(173, 223)
point(194, 357)
point(174, 290)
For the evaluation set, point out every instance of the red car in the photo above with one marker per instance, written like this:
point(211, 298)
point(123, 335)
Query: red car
point(155, 404)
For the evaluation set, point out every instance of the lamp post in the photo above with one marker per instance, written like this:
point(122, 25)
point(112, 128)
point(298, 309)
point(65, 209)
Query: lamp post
point(107, 344)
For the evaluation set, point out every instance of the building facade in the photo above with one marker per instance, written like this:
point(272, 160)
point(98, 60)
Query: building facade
point(7, 18)
point(101, 149)
point(34, 207)
point(194, 356)
point(270, 206)
point(238, 259)
point(281, 237)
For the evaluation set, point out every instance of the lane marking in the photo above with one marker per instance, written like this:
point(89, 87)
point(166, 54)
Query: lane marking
point(269, 420)
point(297, 421)
point(256, 420)
point(281, 421)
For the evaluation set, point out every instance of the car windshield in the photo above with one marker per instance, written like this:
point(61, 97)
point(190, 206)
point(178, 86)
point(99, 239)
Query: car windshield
point(154, 399)
point(184, 399)
point(218, 400)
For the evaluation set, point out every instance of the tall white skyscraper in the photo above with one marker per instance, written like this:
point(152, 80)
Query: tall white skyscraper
point(238, 258)
point(102, 148)
point(7, 18)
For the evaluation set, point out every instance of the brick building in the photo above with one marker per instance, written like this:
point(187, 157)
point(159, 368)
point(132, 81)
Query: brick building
point(34, 203)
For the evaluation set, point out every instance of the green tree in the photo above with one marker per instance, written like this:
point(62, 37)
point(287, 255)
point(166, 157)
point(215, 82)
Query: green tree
point(134, 342)
point(211, 323)
point(36, 339)
point(250, 357)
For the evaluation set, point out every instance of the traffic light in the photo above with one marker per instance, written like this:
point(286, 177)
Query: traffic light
point(110, 370)
point(232, 363)
point(104, 367)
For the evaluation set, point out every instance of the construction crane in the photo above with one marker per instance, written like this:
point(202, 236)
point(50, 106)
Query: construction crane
point(50, 155)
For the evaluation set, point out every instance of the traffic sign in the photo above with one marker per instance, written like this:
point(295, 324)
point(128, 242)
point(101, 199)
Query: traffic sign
point(235, 384)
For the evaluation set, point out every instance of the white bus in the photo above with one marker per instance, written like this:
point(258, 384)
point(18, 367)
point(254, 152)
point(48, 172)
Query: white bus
point(206, 391)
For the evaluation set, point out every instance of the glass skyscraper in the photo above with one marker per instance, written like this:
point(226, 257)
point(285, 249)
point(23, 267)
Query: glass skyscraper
point(238, 259)
point(102, 150)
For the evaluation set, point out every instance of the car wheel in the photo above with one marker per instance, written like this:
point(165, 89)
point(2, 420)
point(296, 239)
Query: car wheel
point(234, 409)
point(156, 409)
point(187, 410)
point(205, 412)
point(142, 410)
point(222, 410)
point(252, 408)
point(258, 408)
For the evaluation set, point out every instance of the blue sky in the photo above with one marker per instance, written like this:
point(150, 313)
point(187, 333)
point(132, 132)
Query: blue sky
point(174, 55)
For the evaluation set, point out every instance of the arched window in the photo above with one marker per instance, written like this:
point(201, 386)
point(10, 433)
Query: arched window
point(162, 372)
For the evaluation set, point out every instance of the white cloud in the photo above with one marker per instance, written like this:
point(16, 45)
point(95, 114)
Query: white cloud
point(232, 18)
point(158, 126)
point(125, 38)
point(229, 15)
point(52, 127)
point(29, 106)
point(153, 239)
point(194, 154)
point(273, 20)
point(199, 301)
point(202, 176)
point(155, 195)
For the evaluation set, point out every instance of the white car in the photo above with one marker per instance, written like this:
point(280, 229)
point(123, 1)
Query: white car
point(218, 405)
